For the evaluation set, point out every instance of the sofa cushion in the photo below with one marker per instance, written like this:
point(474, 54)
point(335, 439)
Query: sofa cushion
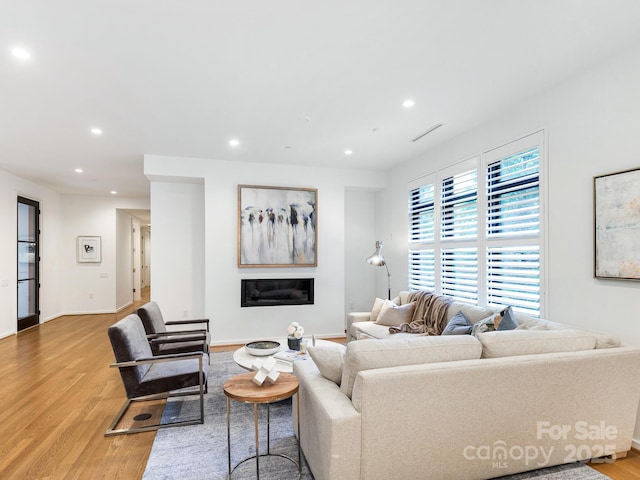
point(329, 358)
point(404, 297)
point(472, 312)
point(525, 342)
point(371, 354)
point(393, 315)
point(458, 325)
point(375, 310)
point(603, 340)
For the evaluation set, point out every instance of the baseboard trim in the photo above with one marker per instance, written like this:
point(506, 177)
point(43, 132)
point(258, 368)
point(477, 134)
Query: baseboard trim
point(635, 445)
point(87, 312)
point(123, 307)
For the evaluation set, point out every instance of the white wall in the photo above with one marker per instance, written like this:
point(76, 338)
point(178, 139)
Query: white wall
point(124, 259)
point(178, 257)
point(92, 287)
point(592, 125)
point(136, 236)
point(591, 122)
point(230, 322)
point(50, 227)
point(359, 219)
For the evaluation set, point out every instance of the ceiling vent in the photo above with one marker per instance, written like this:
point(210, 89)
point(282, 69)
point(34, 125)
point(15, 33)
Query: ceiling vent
point(435, 127)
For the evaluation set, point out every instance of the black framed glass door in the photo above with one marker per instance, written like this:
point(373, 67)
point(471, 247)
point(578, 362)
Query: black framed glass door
point(28, 263)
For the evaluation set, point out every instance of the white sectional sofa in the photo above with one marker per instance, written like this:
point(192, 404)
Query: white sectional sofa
point(462, 406)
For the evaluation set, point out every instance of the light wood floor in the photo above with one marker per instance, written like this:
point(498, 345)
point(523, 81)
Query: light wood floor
point(58, 396)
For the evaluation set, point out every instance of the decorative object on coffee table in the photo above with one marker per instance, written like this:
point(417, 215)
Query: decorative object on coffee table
point(262, 348)
point(377, 260)
point(294, 335)
point(266, 371)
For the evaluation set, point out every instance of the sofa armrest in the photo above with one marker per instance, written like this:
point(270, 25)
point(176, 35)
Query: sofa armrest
point(353, 317)
point(329, 425)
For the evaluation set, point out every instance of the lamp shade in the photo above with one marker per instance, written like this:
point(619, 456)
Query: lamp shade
point(376, 258)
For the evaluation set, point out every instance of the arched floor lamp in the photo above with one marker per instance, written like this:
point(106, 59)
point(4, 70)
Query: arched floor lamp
point(377, 260)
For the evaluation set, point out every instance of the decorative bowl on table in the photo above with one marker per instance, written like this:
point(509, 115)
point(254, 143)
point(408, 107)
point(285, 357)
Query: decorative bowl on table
point(262, 348)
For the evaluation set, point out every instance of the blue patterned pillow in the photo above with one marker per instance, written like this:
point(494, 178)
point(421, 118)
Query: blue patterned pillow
point(503, 320)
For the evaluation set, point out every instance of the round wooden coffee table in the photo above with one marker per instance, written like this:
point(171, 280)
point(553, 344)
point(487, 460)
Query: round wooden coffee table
point(242, 389)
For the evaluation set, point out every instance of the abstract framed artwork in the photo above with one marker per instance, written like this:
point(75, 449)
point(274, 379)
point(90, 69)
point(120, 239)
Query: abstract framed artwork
point(617, 225)
point(89, 250)
point(277, 226)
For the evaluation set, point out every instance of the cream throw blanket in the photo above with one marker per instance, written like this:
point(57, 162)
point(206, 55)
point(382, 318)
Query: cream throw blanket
point(430, 315)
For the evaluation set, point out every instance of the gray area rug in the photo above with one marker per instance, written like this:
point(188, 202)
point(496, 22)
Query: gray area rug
point(199, 452)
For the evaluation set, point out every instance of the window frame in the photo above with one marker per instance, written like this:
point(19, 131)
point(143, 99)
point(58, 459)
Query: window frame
point(485, 242)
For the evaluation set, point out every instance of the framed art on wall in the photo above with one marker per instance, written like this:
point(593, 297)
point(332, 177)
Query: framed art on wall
point(277, 226)
point(89, 250)
point(617, 225)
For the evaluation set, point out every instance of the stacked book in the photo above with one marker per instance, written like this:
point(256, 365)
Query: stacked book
point(290, 355)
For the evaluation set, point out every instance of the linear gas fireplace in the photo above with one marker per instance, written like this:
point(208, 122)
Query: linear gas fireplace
point(263, 292)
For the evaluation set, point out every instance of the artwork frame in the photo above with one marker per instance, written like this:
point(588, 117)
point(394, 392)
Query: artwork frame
point(616, 199)
point(89, 249)
point(277, 226)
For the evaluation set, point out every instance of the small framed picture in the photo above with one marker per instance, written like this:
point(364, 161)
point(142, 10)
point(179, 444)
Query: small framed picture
point(89, 250)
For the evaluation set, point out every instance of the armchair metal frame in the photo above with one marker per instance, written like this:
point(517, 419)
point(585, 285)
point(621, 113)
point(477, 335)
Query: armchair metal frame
point(200, 390)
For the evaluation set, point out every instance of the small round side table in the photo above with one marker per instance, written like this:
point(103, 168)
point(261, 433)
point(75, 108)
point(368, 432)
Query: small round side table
point(242, 389)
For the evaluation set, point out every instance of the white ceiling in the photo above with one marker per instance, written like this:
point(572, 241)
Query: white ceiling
point(182, 77)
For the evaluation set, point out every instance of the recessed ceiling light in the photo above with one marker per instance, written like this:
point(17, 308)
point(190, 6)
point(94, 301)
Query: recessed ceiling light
point(21, 53)
point(408, 103)
point(96, 131)
point(79, 170)
point(348, 152)
point(113, 192)
point(234, 142)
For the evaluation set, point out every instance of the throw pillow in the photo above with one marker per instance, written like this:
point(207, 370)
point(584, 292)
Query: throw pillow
point(458, 325)
point(393, 315)
point(485, 325)
point(495, 322)
point(329, 359)
point(508, 321)
point(375, 311)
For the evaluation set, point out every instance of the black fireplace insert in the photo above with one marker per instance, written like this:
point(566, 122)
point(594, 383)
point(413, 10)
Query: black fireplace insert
point(268, 292)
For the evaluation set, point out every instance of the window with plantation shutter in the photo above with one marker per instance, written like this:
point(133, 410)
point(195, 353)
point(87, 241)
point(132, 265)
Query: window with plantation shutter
point(422, 269)
point(460, 206)
point(513, 194)
point(421, 214)
point(514, 278)
point(476, 228)
point(460, 274)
